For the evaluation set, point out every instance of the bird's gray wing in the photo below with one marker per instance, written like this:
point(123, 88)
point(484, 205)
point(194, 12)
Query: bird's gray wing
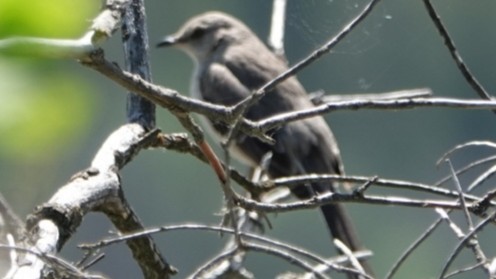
point(218, 85)
point(309, 142)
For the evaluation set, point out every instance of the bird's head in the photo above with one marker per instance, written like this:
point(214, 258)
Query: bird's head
point(206, 33)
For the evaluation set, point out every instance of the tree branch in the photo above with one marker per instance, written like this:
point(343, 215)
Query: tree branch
point(467, 74)
point(135, 42)
point(95, 189)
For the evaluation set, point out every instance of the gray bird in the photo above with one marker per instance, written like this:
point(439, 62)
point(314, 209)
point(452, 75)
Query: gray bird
point(230, 63)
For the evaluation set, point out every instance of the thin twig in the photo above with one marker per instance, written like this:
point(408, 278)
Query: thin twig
point(412, 247)
point(453, 226)
point(464, 241)
point(213, 262)
point(315, 55)
point(466, 168)
point(240, 109)
point(229, 197)
point(459, 147)
point(400, 184)
point(346, 251)
point(483, 177)
point(469, 77)
point(462, 270)
point(285, 256)
point(485, 202)
point(461, 196)
point(263, 239)
point(278, 120)
point(11, 222)
point(173, 101)
point(329, 198)
point(180, 142)
point(59, 265)
point(478, 208)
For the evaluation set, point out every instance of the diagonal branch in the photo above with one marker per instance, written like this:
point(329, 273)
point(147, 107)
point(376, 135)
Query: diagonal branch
point(463, 242)
point(467, 74)
point(95, 189)
point(10, 223)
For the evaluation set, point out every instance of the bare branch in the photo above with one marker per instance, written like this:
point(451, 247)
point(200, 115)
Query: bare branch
point(469, 77)
point(461, 197)
point(400, 184)
point(135, 42)
point(10, 223)
point(96, 189)
point(320, 97)
point(231, 266)
point(240, 109)
point(462, 270)
point(109, 19)
point(314, 56)
point(284, 118)
point(60, 266)
point(468, 167)
point(320, 200)
point(464, 241)
point(479, 208)
point(489, 144)
point(276, 34)
point(413, 246)
point(285, 256)
point(331, 263)
point(453, 226)
point(483, 177)
point(474, 242)
point(175, 102)
point(216, 261)
point(346, 251)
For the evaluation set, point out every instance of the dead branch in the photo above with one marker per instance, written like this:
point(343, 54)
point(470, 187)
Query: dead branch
point(95, 189)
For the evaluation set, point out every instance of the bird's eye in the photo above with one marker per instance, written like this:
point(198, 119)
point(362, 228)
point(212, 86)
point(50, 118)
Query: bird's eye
point(198, 32)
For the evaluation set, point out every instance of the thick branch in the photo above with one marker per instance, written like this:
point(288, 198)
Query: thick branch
point(135, 41)
point(95, 189)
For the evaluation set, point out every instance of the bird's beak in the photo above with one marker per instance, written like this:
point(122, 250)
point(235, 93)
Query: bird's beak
point(167, 41)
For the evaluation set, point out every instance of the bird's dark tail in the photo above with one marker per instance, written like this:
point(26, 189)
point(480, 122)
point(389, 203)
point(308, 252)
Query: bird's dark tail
point(341, 227)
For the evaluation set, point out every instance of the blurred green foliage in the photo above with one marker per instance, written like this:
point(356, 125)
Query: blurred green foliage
point(54, 18)
point(40, 112)
point(43, 108)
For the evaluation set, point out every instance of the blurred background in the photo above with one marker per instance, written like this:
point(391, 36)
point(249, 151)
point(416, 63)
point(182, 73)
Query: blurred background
point(54, 114)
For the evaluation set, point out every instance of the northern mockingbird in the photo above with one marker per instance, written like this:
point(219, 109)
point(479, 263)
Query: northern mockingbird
point(230, 63)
